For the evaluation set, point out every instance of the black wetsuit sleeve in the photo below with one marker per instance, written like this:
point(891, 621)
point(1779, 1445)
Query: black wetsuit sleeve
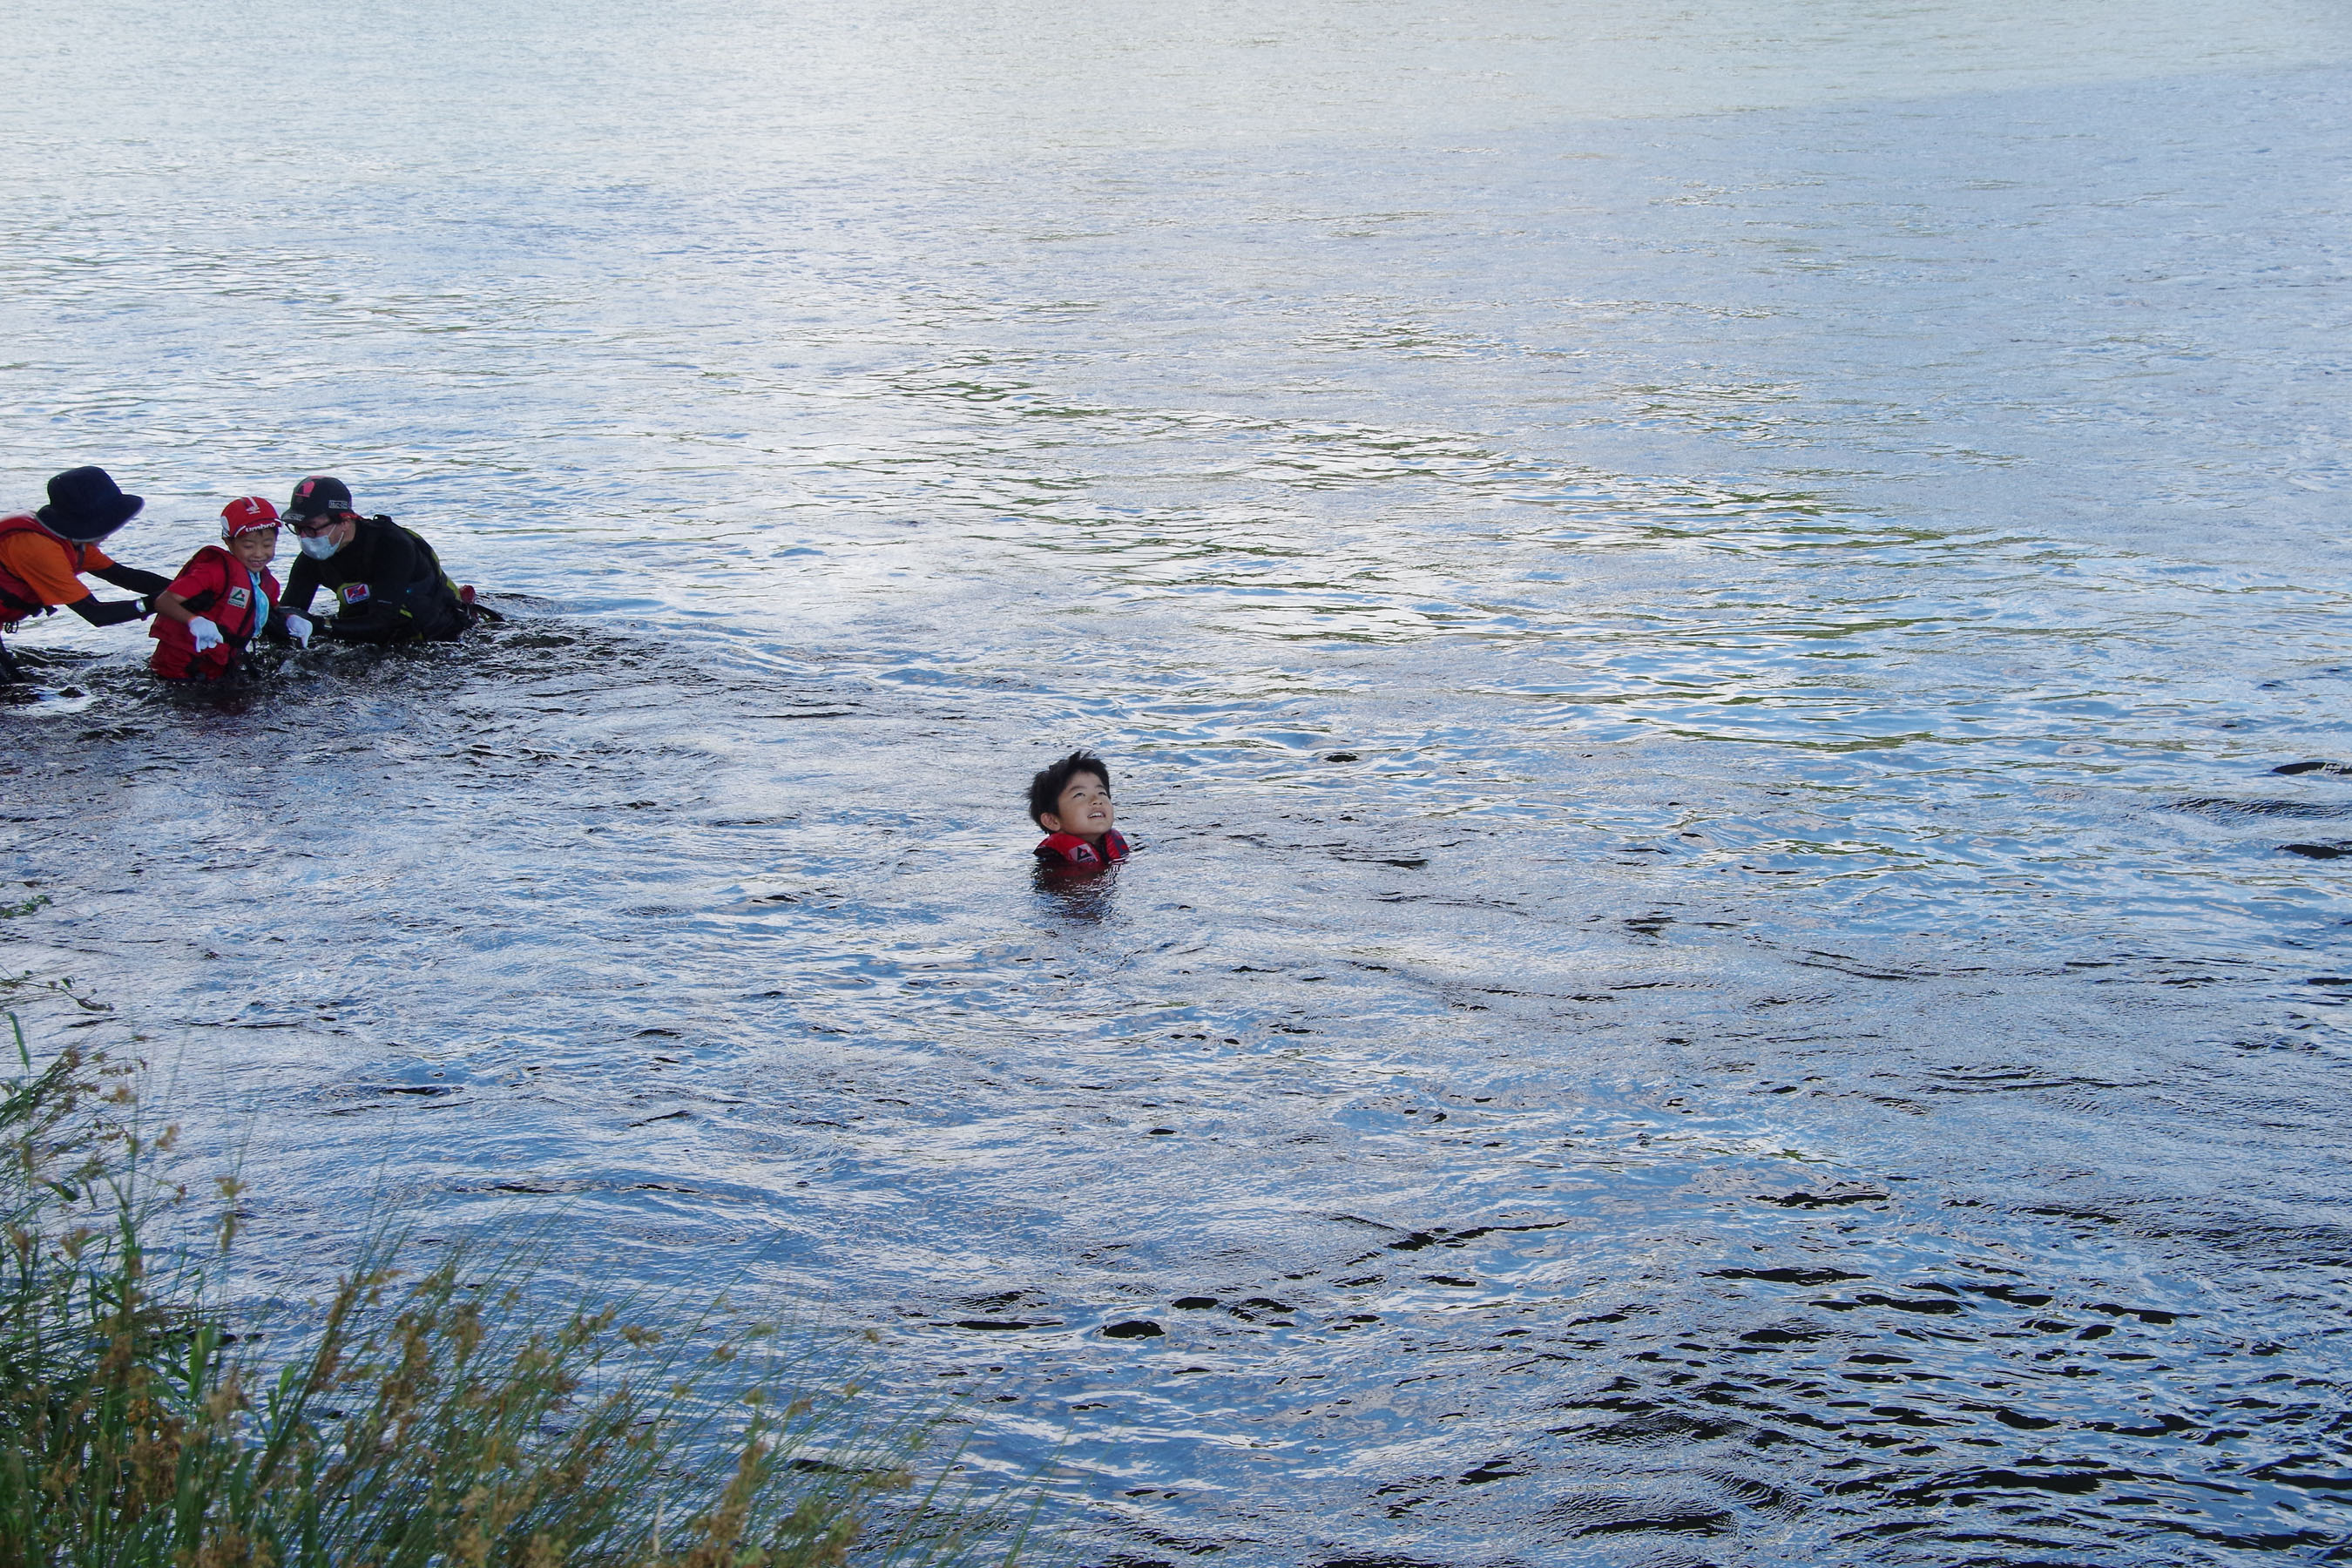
point(109, 613)
point(301, 583)
point(132, 578)
point(362, 622)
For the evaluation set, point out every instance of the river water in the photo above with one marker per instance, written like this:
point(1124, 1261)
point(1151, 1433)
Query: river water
point(1698, 615)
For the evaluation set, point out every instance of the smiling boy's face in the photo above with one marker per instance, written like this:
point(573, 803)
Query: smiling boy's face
point(255, 548)
point(1083, 808)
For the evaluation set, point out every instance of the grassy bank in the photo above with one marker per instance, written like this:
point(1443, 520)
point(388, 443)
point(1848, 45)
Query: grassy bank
point(440, 1416)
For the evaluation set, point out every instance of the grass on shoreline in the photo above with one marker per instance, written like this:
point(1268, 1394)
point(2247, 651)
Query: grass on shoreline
point(430, 1418)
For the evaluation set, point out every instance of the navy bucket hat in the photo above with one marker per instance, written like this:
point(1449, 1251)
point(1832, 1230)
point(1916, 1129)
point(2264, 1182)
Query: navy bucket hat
point(85, 505)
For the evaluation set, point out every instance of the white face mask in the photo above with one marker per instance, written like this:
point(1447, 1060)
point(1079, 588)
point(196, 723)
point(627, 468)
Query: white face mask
point(317, 546)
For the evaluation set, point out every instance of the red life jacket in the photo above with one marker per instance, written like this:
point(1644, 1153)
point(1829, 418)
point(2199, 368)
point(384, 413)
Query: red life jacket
point(17, 599)
point(176, 646)
point(1067, 851)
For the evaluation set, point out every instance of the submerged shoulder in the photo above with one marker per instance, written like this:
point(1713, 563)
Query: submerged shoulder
point(1068, 849)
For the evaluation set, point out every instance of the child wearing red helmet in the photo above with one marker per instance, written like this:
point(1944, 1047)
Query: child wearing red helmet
point(222, 598)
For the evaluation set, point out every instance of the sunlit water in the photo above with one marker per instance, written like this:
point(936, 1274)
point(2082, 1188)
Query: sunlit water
point(1695, 614)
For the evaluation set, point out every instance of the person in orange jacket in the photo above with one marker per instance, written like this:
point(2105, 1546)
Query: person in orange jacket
point(222, 598)
point(45, 554)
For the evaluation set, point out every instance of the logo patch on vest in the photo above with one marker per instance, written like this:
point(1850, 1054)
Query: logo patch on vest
point(240, 598)
point(355, 592)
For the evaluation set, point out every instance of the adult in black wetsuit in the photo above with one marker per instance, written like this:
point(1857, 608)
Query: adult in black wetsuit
point(388, 584)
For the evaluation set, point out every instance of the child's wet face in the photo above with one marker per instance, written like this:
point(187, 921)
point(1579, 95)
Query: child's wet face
point(1083, 808)
point(255, 548)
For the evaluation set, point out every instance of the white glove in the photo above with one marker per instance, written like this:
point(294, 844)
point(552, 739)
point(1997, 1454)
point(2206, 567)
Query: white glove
point(207, 634)
point(298, 628)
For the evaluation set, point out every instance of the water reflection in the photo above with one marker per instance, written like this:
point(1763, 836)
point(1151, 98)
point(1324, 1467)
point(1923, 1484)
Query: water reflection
point(1723, 727)
point(1075, 895)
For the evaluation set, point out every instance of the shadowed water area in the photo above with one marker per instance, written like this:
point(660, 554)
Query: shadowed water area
point(1724, 638)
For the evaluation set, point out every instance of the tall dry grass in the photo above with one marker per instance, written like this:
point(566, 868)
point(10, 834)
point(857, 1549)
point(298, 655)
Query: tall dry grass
point(440, 1417)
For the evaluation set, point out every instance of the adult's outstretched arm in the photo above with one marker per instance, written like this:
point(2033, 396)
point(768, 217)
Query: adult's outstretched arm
point(132, 578)
point(301, 586)
point(110, 612)
point(374, 621)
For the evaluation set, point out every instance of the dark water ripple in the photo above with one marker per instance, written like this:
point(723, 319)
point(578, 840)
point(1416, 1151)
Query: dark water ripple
point(1512, 1219)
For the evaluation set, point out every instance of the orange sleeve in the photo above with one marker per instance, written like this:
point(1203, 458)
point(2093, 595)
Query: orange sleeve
point(43, 565)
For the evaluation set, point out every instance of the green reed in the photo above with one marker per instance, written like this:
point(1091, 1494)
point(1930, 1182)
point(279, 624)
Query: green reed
point(440, 1417)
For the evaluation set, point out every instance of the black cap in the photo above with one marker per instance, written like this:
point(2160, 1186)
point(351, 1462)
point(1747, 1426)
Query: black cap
point(319, 495)
point(85, 505)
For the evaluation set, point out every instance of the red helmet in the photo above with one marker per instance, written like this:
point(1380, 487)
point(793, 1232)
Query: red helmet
point(247, 514)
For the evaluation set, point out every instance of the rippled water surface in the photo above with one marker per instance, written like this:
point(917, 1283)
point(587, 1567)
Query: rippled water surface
point(1724, 635)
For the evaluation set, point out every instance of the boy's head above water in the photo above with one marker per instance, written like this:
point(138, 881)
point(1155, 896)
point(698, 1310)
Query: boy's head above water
point(1073, 796)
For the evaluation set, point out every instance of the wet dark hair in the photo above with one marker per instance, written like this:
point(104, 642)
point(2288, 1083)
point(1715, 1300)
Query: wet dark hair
point(1045, 789)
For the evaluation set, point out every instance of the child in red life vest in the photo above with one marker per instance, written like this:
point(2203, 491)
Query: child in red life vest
point(222, 598)
point(1071, 800)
